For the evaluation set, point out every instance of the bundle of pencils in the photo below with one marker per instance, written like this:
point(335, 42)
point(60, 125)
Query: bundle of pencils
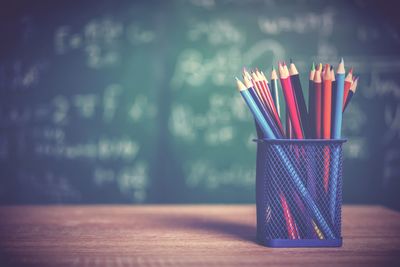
point(329, 95)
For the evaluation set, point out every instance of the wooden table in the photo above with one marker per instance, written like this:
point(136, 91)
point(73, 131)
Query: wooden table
point(213, 235)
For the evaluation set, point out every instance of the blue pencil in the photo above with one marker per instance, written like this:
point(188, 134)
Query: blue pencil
point(338, 105)
point(336, 134)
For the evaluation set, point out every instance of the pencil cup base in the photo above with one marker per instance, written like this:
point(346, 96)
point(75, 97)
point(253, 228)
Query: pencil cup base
point(293, 243)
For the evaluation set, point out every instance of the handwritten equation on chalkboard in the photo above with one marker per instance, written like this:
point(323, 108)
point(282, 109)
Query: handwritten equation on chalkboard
point(83, 118)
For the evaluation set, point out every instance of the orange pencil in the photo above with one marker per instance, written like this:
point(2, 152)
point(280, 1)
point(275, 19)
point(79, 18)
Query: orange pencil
point(318, 102)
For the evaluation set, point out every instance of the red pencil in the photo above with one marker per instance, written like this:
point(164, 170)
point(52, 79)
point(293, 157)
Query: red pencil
point(327, 103)
point(347, 83)
point(326, 120)
point(290, 223)
point(290, 100)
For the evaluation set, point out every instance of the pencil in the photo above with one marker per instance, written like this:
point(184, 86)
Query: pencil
point(311, 103)
point(318, 102)
point(326, 121)
point(299, 96)
point(352, 91)
point(274, 91)
point(333, 101)
point(326, 104)
point(347, 83)
point(290, 101)
point(289, 128)
point(248, 98)
point(290, 223)
point(338, 108)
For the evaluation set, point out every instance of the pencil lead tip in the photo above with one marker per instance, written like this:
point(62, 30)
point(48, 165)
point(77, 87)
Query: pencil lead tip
point(313, 66)
point(290, 61)
point(341, 61)
point(351, 70)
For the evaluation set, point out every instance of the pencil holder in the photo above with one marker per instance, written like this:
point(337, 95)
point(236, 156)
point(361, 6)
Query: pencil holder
point(299, 192)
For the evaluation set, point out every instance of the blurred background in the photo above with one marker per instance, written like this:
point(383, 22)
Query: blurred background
point(135, 101)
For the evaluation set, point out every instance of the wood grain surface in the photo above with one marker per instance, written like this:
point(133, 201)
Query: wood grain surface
point(214, 235)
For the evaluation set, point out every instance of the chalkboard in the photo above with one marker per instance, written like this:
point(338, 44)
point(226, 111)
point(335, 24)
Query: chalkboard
point(135, 102)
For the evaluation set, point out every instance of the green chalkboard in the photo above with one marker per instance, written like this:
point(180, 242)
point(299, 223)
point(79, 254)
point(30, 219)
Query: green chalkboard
point(135, 102)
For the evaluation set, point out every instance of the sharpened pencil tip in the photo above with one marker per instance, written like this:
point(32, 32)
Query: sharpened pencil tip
point(341, 61)
point(313, 66)
point(290, 60)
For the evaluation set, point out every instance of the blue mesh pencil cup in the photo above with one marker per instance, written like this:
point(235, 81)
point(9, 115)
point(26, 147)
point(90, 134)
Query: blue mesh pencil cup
point(299, 192)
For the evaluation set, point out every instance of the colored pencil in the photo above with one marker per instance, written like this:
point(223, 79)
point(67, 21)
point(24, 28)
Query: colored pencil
point(352, 91)
point(299, 96)
point(311, 103)
point(326, 103)
point(333, 101)
point(336, 134)
point(326, 121)
point(338, 108)
point(290, 223)
point(290, 101)
point(318, 102)
point(274, 91)
point(289, 128)
point(347, 83)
